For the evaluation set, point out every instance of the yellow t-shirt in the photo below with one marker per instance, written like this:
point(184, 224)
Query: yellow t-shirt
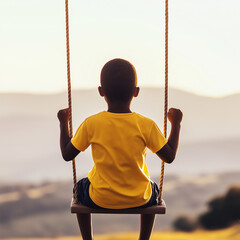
point(119, 178)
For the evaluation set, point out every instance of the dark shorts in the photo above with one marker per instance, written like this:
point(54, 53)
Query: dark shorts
point(84, 198)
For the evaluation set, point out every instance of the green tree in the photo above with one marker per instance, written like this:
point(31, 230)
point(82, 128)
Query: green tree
point(185, 224)
point(223, 211)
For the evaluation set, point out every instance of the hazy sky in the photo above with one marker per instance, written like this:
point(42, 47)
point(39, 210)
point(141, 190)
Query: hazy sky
point(204, 51)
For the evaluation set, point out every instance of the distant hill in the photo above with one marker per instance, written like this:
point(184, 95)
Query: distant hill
point(29, 143)
point(204, 117)
point(30, 133)
point(42, 210)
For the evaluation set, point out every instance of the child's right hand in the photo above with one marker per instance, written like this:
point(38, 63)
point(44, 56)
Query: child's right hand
point(63, 115)
point(175, 116)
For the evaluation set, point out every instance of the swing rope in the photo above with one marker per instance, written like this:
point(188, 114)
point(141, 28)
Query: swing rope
point(70, 96)
point(165, 96)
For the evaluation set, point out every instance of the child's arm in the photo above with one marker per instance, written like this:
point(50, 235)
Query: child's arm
point(168, 152)
point(69, 152)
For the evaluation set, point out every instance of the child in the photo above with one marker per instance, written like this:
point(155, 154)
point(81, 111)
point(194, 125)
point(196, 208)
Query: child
point(119, 139)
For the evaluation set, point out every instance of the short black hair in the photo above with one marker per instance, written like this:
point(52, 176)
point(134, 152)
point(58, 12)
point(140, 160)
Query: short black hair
point(118, 80)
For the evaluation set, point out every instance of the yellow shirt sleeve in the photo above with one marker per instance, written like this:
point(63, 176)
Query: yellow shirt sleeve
point(156, 140)
point(81, 139)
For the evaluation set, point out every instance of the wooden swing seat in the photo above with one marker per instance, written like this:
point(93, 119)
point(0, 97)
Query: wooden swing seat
point(157, 209)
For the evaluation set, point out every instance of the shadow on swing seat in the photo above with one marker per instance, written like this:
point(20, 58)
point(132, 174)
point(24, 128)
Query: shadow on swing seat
point(156, 209)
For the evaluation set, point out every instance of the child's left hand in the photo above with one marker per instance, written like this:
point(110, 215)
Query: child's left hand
point(63, 115)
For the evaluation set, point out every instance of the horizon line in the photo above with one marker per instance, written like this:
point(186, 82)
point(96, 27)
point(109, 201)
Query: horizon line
point(33, 92)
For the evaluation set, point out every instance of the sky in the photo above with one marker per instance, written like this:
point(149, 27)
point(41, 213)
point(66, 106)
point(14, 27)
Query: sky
point(204, 36)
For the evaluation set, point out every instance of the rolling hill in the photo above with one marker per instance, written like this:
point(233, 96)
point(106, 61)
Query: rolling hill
point(42, 210)
point(29, 143)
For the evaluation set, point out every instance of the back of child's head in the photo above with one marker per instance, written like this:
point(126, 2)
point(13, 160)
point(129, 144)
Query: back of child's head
point(118, 80)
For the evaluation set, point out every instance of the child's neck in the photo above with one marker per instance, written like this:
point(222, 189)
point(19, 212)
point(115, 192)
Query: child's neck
point(119, 107)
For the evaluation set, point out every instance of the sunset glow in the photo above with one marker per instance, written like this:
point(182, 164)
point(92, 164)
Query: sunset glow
point(203, 43)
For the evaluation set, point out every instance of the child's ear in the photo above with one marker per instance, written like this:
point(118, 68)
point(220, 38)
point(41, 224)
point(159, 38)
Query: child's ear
point(136, 91)
point(100, 90)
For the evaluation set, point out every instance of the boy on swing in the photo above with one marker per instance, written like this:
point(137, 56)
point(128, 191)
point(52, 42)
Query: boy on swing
point(119, 138)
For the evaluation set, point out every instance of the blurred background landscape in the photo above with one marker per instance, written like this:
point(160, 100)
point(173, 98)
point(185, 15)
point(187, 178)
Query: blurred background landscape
point(201, 188)
point(36, 186)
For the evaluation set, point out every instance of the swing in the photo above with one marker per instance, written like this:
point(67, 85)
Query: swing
point(77, 207)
